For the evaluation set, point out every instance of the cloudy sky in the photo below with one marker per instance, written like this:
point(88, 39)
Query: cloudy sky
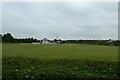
point(68, 20)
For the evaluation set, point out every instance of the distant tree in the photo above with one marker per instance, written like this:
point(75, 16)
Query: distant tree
point(0, 35)
point(7, 38)
point(0, 38)
point(59, 40)
point(55, 40)
point(15, 40)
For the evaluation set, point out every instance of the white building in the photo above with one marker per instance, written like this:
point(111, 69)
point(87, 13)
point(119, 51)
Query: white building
point(45, 41)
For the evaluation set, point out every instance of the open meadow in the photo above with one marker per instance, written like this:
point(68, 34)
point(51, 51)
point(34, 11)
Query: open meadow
point(43, 61)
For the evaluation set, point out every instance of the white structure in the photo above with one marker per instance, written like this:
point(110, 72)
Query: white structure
point(35, 42)
point(45, 41)
point(110, 40)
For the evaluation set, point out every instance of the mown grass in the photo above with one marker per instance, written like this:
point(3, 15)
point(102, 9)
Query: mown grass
point(59, 62)
point(62, 51)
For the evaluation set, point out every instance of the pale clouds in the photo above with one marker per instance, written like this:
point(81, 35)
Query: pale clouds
point(69, 20)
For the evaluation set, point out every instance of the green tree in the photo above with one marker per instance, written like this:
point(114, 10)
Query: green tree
point(8, 38)
point(0, 38)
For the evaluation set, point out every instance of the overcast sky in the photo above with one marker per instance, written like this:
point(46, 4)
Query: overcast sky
point(68, 20)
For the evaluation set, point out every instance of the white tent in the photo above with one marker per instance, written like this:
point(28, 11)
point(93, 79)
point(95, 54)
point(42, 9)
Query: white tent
point(45, 41)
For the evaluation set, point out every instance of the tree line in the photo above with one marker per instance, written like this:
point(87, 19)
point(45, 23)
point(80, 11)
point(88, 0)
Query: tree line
point(8, 38)
point(98, 42)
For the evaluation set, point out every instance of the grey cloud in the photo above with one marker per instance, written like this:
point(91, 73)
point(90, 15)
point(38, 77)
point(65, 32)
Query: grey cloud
point(68, 20)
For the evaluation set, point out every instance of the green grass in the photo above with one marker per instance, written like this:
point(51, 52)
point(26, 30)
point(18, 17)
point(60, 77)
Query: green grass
point(62, 51)
point(27, 61)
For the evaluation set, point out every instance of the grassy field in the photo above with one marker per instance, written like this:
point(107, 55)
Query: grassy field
point(35, 61)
